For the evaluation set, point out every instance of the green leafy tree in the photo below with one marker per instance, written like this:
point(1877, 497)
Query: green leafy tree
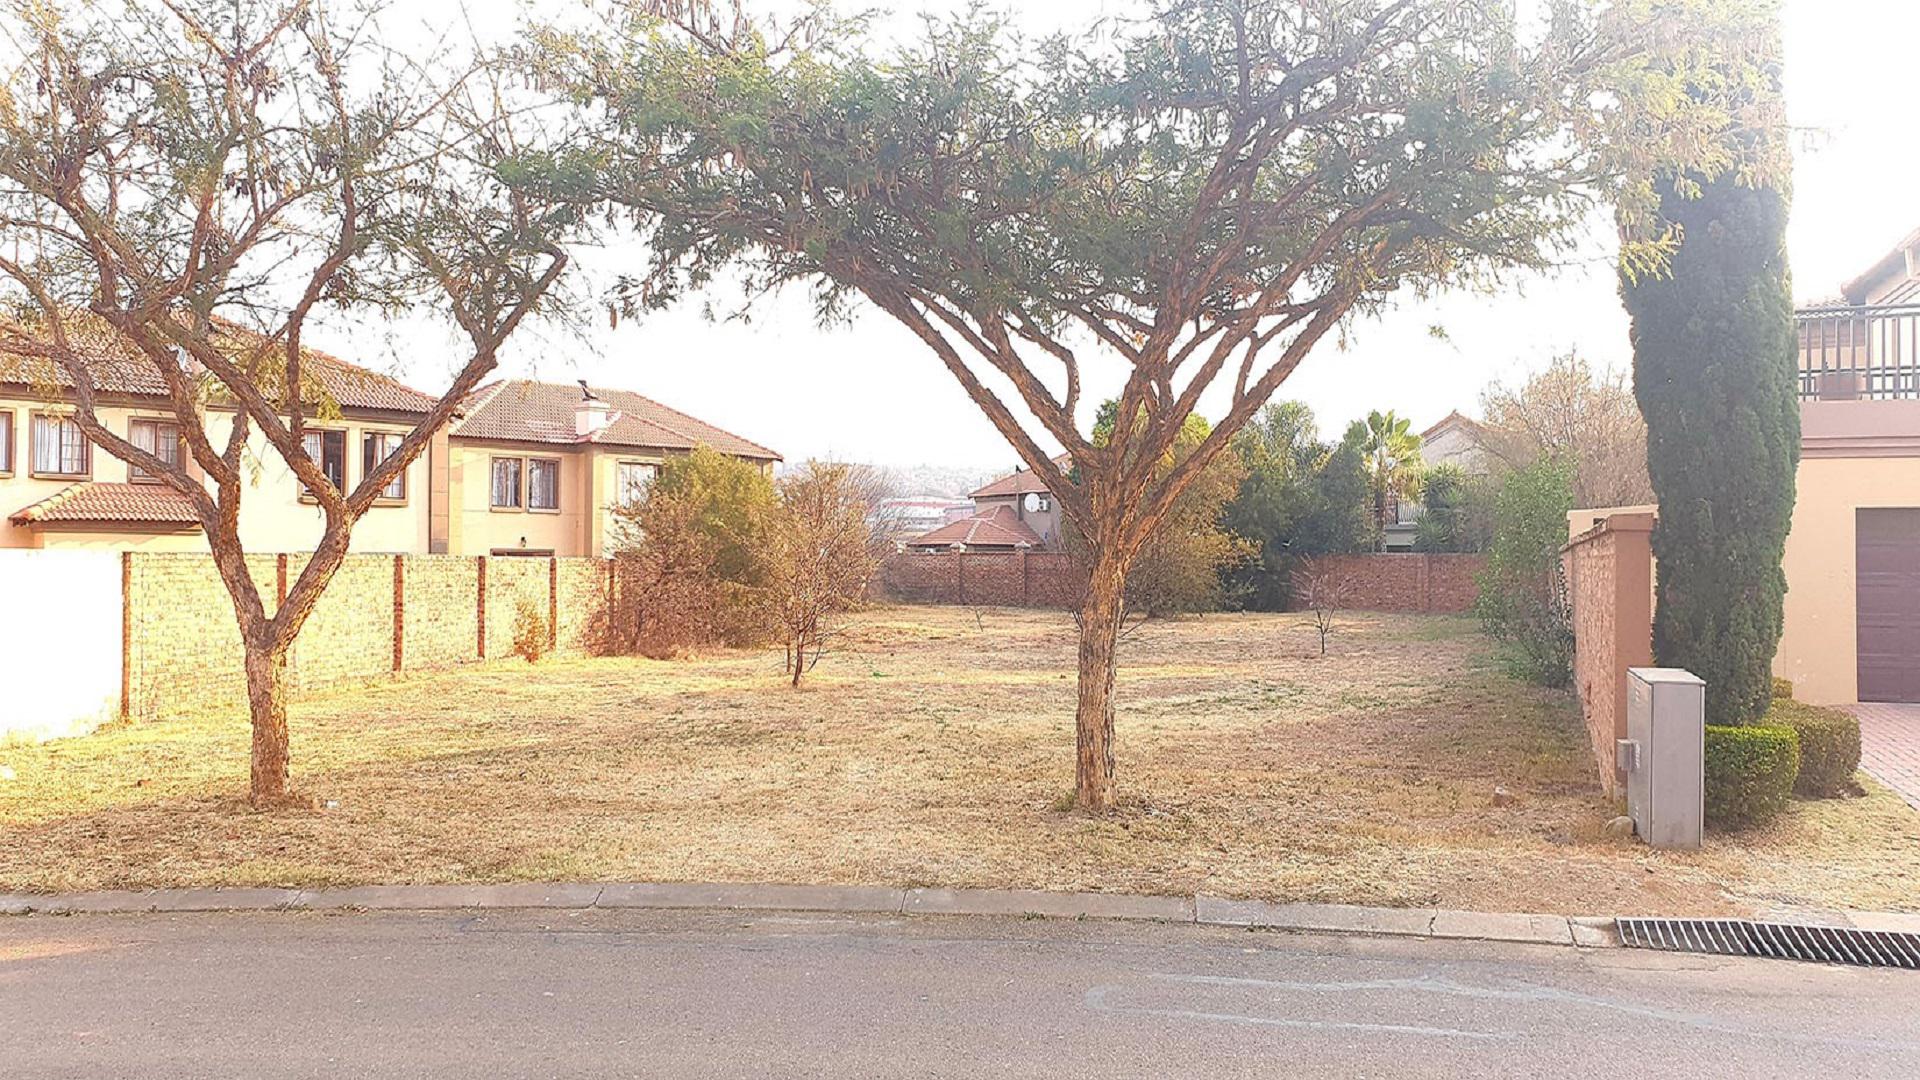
point(185, 185)
point(1523, 599)
point(1301, 497)
point(1456, 510)
point(1714, 354)
point(1391, 453)
point(1197, 196)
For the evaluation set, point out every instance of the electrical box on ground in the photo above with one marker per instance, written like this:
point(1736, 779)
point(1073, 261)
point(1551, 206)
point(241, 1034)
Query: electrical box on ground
point(1664, 755)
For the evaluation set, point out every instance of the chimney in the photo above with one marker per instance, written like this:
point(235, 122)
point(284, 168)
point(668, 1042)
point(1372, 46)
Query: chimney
point(590, 415)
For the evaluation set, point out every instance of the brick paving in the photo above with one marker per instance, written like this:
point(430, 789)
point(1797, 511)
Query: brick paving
point(1890, 746)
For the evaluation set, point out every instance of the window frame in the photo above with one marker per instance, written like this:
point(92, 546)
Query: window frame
point(620, 502)
point(8, 445)
point(306, 493)
point(367, 465)
point(519, 485)
point(526, 473)
point(137, 475)
point(86, 449)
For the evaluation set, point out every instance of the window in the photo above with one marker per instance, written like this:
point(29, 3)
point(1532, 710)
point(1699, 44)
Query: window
point(543, 484)
point(59, 447)
point(631, 481)
point(376, 447)
point(328, 449)
point(161, 438)
point(506, 483)
point(6, 442)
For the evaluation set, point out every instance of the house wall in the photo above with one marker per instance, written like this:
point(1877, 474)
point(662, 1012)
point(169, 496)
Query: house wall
point(585, 525)
point(273, 516)
point(1855, 454)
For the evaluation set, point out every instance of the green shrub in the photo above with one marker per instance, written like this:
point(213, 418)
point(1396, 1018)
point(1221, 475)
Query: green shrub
point(1750, 773)
point(1782, 689)
point(1523, 599)
point(1829, 747)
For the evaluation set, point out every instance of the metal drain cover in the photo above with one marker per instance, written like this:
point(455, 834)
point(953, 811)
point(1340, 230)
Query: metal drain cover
point(1780, 941)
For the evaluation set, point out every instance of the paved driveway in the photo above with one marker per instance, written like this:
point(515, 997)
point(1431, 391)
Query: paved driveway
point(1890, 746)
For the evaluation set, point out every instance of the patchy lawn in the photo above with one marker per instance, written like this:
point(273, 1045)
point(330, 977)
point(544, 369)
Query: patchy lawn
point(937, 748)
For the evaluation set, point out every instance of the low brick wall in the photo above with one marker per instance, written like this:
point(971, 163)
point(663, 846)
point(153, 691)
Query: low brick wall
point(381, 614)
point(1412, 582)
point(1051, 579)
point(1610, 585)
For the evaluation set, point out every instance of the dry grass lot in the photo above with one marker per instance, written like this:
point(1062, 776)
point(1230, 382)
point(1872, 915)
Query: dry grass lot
point(937, 749)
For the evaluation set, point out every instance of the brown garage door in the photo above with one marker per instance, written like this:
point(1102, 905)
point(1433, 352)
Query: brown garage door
point(1887, 571)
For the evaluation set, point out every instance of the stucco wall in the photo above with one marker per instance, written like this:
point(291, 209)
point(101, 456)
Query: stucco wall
point(1818, 649)
point(60, 645)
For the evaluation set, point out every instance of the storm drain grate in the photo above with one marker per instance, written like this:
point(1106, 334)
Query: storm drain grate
point(1780, 941)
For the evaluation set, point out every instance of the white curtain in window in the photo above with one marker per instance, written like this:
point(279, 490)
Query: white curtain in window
point(543, 485)
point(506, 482)
point(58, 446)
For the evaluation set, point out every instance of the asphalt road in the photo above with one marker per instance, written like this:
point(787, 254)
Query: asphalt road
point(683, 994)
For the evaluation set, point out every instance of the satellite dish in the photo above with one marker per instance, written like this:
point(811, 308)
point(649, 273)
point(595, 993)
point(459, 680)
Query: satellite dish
point(1033, 502)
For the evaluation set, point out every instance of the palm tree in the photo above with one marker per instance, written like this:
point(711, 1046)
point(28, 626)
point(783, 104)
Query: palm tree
point(1392, 454)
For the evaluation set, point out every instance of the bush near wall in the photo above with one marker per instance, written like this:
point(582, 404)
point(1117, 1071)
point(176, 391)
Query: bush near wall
point(1829, 747)
point(1750, 773)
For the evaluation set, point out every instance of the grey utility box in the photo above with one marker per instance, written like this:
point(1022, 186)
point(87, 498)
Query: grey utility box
point(1664, 755)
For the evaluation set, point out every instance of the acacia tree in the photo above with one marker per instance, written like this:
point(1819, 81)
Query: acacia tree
point(183, 184)
point(1195, 197)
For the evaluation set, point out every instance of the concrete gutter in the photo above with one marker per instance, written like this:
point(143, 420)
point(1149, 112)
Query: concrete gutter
point(1199, 910)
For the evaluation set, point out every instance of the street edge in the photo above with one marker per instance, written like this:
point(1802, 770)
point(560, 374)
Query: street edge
point(1201, 909)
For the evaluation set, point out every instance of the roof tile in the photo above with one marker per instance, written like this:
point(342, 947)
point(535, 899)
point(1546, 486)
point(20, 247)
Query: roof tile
point(95, 502)
point(522, 410)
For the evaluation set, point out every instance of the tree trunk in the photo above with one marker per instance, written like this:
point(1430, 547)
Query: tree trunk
point(267, 701)
point(1100, 616)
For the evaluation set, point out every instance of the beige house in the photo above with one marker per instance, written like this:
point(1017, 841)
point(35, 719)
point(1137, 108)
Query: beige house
point(59, 490)
point(529, 468)
point(539, 468)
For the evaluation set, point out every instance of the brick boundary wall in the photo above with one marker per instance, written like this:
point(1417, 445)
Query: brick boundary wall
point(1406, 581)
point(1048, 579)
point(1610, 585)
point(382, 614)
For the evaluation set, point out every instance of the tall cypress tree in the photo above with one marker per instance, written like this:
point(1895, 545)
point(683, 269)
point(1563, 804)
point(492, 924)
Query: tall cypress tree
point(1713, 363)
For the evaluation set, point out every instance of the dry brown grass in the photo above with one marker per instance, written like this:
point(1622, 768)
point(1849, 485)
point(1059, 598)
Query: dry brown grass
point(937, 748)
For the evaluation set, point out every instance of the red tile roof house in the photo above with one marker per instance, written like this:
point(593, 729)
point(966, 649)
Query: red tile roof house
point(1011, 513)
point(530, 468)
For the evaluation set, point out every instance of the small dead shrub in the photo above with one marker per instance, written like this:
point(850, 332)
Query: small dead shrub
point(531, 638)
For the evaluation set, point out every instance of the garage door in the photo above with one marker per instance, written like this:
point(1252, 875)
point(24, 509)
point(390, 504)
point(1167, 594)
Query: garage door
point(1887, 571)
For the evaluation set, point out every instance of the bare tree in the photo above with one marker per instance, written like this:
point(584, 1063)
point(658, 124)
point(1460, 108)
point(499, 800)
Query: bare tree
point(1571, 412)
point(1324, 593)
point(821, 553)
point(185, 183)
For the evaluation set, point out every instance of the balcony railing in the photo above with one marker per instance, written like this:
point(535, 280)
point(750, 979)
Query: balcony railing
point(1853, 353)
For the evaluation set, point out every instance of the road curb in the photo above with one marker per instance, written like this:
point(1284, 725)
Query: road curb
point(1202, 909)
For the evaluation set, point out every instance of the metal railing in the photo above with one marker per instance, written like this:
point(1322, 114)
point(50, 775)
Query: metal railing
point(1853, 353)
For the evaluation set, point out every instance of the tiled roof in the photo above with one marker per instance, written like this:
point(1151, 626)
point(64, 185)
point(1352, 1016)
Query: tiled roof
point(110, 504)
point(521, 410)
point(998, 527)
point(1021, 481)
point(117, 368)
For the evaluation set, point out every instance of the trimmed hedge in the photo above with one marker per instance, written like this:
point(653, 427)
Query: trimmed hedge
point(1782, 689)
point(1829, 747)
point(1750, 772)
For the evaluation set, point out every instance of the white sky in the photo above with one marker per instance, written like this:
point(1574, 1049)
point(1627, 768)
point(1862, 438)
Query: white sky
point(872, 392)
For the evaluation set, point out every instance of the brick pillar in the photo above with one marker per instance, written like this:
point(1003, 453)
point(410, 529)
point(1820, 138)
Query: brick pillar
point(960, 577)
point(126, 635)
point(553, 602)
point(280, 582)
point(399, 612)
point(480, 605)
point(1023, 578)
